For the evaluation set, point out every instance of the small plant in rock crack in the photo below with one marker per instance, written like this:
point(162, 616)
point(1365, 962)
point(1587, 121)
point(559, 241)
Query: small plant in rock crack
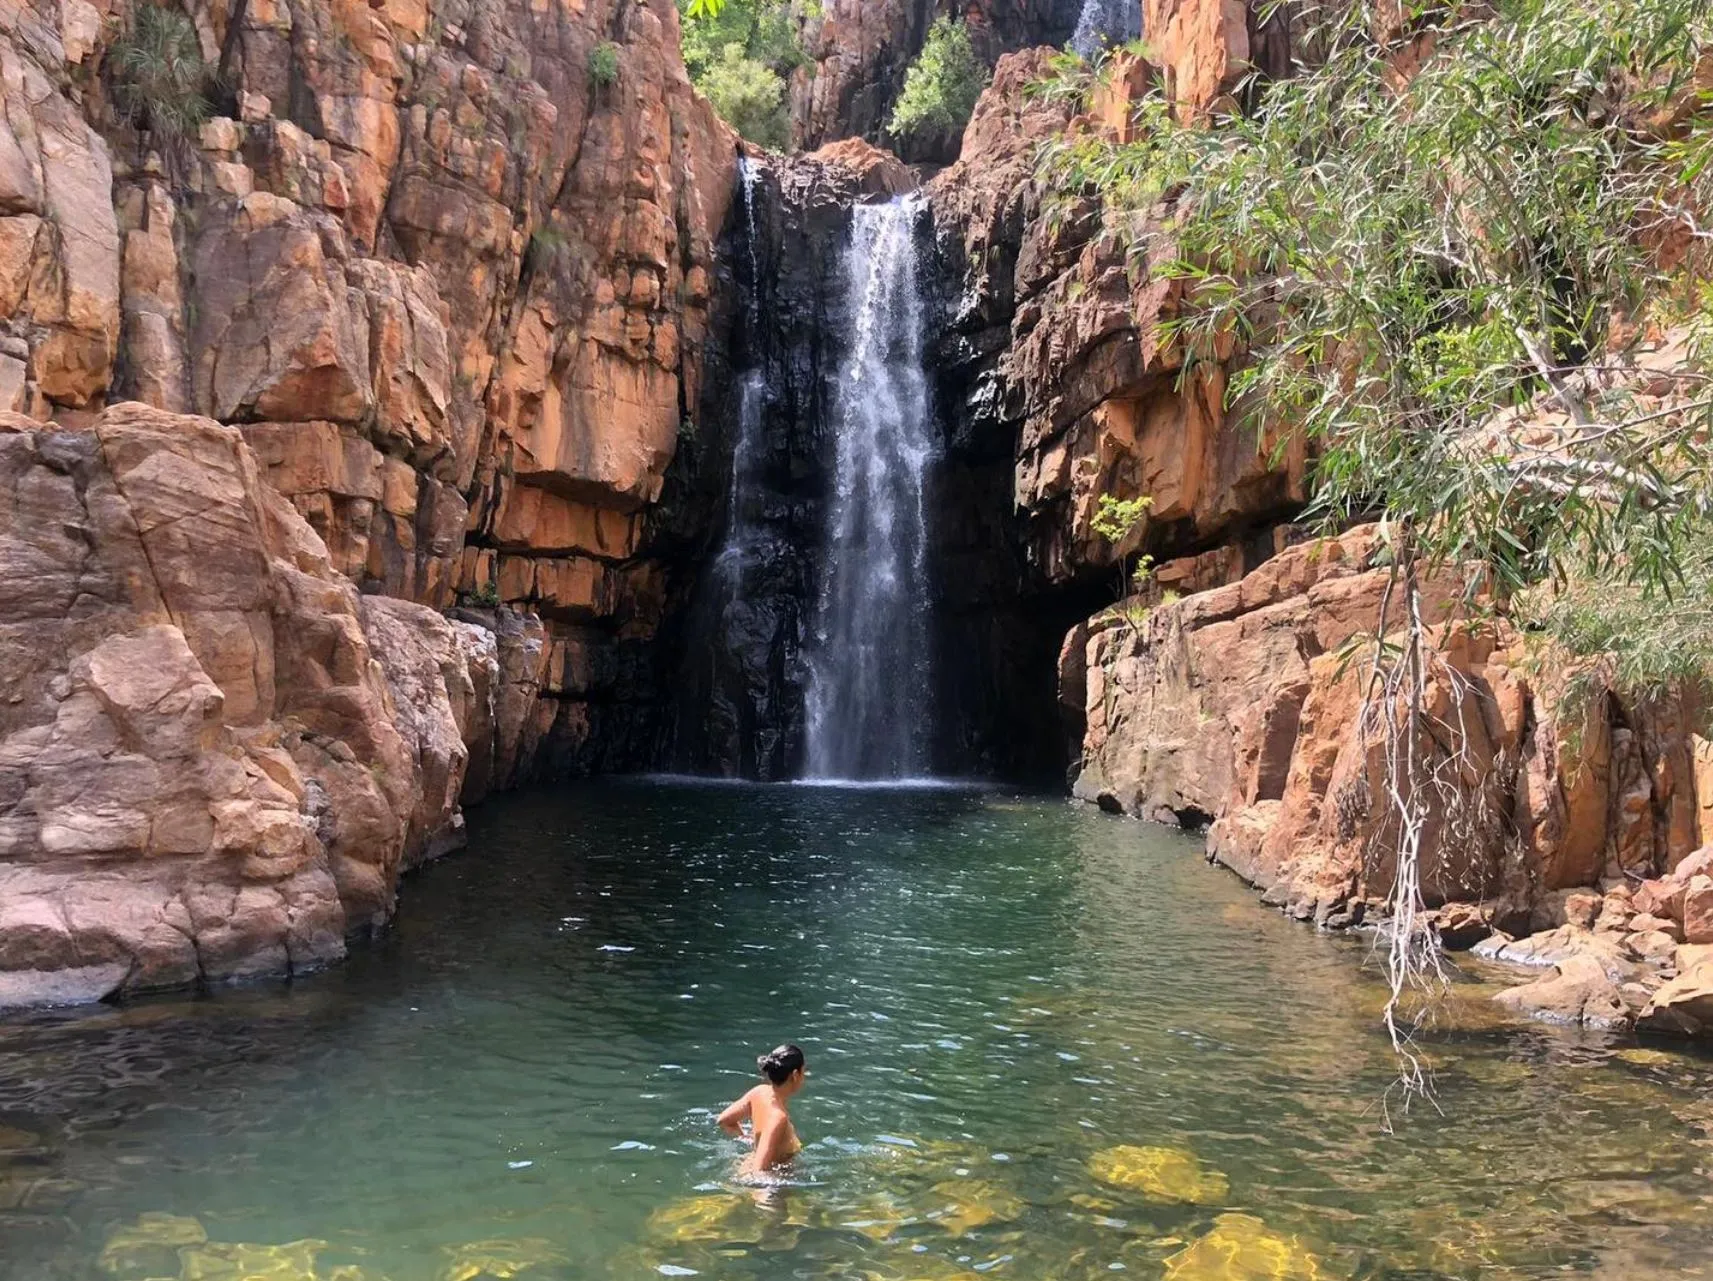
point(604, 64)
point(546, 244)
point(1117, 520)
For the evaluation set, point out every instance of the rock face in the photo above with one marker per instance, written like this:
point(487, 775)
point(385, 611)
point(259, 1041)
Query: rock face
point(455, 291)
point(1057, 387)
point(439, 300)
point(215, 756)
point(1234, 705)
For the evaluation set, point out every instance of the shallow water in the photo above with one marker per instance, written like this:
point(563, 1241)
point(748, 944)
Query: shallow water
point(518, 1080)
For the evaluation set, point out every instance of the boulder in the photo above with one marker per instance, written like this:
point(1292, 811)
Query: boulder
point(1654, 946)
point(1661, 898)
point(1646, 922)
point(1578, 992)
point(1683, 1005)
point(1698, 909)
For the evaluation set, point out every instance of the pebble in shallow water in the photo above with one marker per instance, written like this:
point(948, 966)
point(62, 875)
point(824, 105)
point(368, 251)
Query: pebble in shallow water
point(1162, 1174)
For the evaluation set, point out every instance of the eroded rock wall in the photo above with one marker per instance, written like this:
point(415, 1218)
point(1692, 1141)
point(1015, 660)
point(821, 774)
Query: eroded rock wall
point(454, 287)
point(1057, 387)
point(348, 417)
point(215, 755)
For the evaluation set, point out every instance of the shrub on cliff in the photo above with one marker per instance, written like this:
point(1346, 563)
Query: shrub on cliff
point(160, 81)
point(747, 88)
point(941, 86)
point(604, 64)
point(749, 95)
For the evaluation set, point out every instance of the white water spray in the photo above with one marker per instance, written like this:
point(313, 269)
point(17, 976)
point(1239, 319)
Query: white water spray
point(867, 702)
point(1106, 23)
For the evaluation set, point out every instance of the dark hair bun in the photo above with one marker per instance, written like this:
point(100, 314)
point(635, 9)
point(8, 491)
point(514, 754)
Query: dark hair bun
point(779, 1063)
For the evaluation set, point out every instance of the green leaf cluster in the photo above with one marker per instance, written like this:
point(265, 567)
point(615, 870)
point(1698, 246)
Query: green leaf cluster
point(749, 95)
point(1115, 518)
point(160, 81)
point(941, 85)
point(740, 54)
point(604, 64)
point(1410, 264)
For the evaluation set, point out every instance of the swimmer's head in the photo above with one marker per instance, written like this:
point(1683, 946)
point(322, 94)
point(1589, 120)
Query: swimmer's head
point(784, 1067)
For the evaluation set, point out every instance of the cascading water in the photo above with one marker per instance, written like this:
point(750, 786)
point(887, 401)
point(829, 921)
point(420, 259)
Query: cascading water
point(731, 694)
point(742, 528)
point(867, 701)
point(1106, 23)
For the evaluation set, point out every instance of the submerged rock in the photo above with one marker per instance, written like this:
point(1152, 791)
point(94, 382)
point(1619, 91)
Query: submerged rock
point(711, 1218)
point(150, 1246)
point(973, 1203)
point(1578, 992)
point(240, 1261)
point(498, 1259)
point(1162, 1174)
point(1240, 1248)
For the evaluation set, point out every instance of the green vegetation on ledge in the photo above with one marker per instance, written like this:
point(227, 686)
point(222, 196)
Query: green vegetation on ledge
point(1433, 259)
point(740, 53)
point(160, 81)
point(1403, 262)
point(941, 86)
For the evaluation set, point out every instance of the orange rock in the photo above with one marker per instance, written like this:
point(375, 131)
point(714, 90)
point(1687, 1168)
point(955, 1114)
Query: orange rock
point(1698, 910)
point(216, 772)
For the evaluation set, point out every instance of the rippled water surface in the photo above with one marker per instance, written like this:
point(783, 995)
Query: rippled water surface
point(994, 994)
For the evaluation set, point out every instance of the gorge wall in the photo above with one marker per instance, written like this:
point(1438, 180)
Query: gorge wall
point(382, 445)
point(421, 310)
point(366, 445)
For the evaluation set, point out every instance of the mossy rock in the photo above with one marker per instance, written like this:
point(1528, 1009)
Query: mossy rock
point(1642, 1056)
point(876, 1217)
point(725, 1218)
point(1240, 1248)
point(1162, 1174)
point(917, 1266)
point(963, 1204)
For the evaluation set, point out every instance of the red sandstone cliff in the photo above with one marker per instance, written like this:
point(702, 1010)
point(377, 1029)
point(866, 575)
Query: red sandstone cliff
point(438, 296)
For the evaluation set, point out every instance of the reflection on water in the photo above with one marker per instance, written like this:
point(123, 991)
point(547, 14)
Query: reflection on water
point(1045, 1044)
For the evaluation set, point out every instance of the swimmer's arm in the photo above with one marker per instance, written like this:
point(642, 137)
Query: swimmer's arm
point(732, 1119)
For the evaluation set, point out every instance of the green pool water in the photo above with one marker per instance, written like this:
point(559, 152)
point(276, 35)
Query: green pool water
point(994, 992)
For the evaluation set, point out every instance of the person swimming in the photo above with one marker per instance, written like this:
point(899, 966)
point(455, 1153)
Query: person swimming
point(772, 1134)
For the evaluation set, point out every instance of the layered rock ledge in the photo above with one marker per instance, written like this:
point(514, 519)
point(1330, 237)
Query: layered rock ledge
point(1238, 707)
point(215, 757)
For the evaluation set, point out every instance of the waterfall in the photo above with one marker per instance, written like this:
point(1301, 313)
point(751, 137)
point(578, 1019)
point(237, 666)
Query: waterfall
point(867, 700)
point(742, 529)
point(1106, 23)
